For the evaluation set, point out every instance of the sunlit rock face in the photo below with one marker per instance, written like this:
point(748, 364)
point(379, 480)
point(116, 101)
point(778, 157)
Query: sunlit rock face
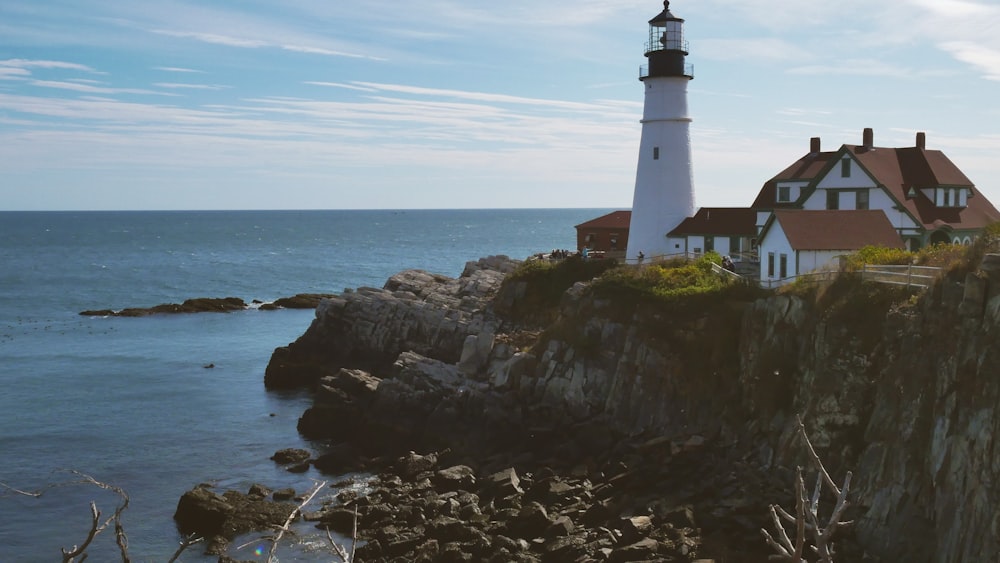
point(906, 396)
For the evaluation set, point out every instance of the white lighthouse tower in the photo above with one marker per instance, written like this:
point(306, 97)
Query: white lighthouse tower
point(664, 191)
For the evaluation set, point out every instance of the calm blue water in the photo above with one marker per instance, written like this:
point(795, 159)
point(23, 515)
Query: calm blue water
point(129, 401)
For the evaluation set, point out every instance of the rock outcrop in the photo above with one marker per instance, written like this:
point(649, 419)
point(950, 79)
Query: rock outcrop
point(898, 390)
point(429, 314)
point(221, 517)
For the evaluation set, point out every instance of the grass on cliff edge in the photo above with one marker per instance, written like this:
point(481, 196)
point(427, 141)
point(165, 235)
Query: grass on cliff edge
point(673, 283)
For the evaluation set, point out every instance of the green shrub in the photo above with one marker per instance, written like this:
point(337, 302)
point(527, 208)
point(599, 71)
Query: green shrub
point(878, 255)
point(675, 283)
point(546, 281)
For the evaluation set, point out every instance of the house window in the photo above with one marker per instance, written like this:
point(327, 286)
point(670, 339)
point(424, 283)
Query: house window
point(709, 244)
point(770, 264)
point(589, 238)
point(947, 198)
point(614, 241)
point(845, 168)
point(784, 193)
point(783, 273)
point(832, 199)
point(862, 200)
point(656, 153)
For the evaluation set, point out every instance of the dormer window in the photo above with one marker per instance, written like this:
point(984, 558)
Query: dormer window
point(784, 193)
point(947, 198)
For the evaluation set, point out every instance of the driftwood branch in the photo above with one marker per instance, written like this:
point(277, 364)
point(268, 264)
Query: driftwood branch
point(78, 553)
point(340, 550)
point(185, 543)
point(807, 514)
point(291, 518)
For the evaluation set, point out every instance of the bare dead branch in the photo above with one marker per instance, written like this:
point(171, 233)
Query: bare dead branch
point(291, 518)
point(807, 513)
point(8, 489)
point(184, 544)
point(77, 551)
point(800, 509)
point(340, 550)
point(815, 457)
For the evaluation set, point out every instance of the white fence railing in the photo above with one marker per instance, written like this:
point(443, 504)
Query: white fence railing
point(909, 275)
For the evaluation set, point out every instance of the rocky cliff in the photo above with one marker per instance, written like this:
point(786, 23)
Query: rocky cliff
point(902, 390)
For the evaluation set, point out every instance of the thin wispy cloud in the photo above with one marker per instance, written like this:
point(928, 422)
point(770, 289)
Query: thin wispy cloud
point(178, 86)
point(985, 59)
point(245, 43)
point(341, 85)
point(861, 67)
point(25, 64)
point(479, 96)
point(12, 73)
point(91, 89)
point(764, 49)
point(178, 69)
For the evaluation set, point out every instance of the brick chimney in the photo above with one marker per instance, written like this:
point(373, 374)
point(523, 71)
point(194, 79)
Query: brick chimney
point(814, 145)
point(868, 140)
point(921, 140)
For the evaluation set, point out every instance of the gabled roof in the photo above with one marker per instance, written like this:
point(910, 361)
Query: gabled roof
point(897, 169)
point(806, 169)
point(613, 220)
point(834, 229)
point(720, 221)
point(900, 169)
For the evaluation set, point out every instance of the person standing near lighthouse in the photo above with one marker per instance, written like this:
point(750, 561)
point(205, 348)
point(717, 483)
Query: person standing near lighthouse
point(664, 187)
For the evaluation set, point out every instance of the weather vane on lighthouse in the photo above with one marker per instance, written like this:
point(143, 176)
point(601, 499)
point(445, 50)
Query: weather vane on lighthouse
point(664, 187)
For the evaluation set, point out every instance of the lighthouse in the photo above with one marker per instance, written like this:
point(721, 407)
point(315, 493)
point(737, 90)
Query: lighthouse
point(664, 190)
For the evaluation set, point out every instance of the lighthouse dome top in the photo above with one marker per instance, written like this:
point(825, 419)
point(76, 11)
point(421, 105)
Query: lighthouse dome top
point(664, 16)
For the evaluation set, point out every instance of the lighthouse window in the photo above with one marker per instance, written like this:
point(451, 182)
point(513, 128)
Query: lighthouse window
point(656, 153)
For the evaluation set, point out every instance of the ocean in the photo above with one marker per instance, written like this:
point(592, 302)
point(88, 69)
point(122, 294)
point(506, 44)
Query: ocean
point(131, 402)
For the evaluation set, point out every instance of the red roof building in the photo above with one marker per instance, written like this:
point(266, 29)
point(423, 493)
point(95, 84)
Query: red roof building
point(607, 233)
point(925, 196)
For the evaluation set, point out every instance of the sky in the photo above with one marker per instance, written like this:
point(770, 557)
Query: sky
point(380, 104)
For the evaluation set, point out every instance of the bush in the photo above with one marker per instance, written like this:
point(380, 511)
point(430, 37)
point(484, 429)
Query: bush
point(675, 283)
point(546, 281)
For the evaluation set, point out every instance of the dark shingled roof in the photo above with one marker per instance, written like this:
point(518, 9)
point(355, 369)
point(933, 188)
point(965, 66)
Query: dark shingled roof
point(613, 220)
point(836, 229)
point(898, 169)
point(720, 221)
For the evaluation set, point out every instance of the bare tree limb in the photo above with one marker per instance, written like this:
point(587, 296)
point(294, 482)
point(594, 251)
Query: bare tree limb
point(807, 513)
point(815, 457)
point(7, 488)
point(185, 543)
point(340, 550)
point(77, 551)
point(291, 518)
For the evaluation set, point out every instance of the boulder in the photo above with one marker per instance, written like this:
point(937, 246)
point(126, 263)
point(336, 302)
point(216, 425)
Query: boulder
point(203, 512)
point(291, 455)
point(456, 478)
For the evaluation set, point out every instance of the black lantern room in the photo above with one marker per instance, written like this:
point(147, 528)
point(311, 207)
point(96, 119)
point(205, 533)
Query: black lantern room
point(666, 48)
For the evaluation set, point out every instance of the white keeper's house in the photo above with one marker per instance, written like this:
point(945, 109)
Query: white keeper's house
point(831, 203)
